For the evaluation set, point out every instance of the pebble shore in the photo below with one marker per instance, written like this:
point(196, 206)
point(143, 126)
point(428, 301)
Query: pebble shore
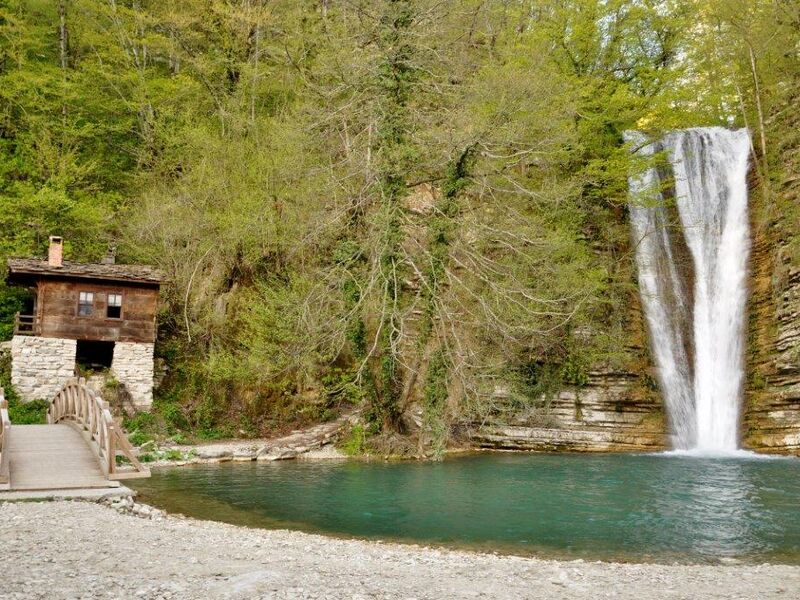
point(123, 549)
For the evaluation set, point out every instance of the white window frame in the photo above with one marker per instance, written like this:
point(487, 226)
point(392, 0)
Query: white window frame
point(85, 299)
point(114, 299)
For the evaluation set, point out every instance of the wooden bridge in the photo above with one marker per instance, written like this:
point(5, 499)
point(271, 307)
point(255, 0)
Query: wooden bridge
point(79, 448)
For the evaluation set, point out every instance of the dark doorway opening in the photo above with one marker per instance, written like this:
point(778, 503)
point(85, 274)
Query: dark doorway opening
point(29, 305)
point(94, 355)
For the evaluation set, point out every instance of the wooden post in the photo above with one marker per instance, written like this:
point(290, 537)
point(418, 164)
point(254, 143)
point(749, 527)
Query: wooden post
point(5, 433)
point(90, 417)
point(111, 449)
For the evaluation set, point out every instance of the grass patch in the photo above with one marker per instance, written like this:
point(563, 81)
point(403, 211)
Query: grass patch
point(139, 438)
point(27, 413)
point(173, 454)
point(355, 442)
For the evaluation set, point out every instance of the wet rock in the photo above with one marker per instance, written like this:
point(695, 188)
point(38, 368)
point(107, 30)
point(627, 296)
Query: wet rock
point(245, 454)
point(278, 453)
point(211, 452)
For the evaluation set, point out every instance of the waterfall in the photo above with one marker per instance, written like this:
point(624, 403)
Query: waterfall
point(691, 235)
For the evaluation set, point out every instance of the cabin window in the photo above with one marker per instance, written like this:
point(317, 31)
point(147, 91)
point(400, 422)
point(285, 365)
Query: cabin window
point(85, 304)
point(114, 307)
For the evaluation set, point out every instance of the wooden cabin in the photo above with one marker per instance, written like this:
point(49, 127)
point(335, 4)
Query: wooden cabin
point(102, 315)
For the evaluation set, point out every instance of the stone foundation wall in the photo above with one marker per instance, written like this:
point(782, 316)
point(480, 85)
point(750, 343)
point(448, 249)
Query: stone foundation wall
point(132, 365)
point(40, 366)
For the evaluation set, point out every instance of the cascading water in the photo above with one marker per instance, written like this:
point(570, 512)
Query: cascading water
point(690, 229)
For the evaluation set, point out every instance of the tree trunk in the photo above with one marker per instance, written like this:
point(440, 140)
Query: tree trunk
point(762, 134)
point(63, 48)
point(254, 83)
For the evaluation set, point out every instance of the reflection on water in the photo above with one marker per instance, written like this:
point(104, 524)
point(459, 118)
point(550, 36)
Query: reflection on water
point(624, 507)
point(716, 501)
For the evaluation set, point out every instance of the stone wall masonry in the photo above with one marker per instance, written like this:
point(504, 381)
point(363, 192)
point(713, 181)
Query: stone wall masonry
point(132, 365)
point(40, 366)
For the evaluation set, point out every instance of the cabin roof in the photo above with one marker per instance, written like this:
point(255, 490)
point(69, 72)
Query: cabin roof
point(21, 269)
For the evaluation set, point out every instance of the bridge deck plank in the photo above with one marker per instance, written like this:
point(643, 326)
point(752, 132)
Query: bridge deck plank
point(44, 457)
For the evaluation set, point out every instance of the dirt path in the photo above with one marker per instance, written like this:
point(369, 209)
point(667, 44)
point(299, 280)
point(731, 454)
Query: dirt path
point(85, 550)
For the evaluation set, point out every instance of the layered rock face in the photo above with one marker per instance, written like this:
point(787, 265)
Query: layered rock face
point(771, 421)
point(617, 410)
point(613, 412)
point(772, 412)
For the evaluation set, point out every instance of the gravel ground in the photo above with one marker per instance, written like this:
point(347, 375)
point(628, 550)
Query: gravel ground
point(85, 550)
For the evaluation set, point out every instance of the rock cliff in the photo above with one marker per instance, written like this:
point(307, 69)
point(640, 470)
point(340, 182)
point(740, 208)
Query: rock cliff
point(613, 412)
point(771, 421)
point(618, 410)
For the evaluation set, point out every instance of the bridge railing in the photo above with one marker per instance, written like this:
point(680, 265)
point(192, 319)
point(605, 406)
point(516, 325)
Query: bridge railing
point(79, 405)
point(5, 434)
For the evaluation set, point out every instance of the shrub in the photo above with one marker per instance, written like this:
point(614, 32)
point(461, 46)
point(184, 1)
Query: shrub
point(180, 439)
point(27, 413)
point(142, 421)
point(173, 415)
point(355, 442)
point(173, 454)
point(138, 438)
point(214, 433)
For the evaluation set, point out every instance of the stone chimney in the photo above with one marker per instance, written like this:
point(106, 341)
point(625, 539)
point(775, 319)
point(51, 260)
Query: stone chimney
point(55, 254)
point(111, 256)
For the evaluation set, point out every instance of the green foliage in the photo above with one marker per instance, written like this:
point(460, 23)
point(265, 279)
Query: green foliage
point(346, 194)
point(12, 301)
point(141, 421)
point(179, 438)
point(27, 413)
point(354, 443)
point(173, 415)
point(340, 386)
point(173, 454)
point(757, 381)
point(537, 382)
point(137, 438)
point(435, 402)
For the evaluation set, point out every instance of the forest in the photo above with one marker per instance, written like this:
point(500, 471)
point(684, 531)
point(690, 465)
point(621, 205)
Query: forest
point(415, 207)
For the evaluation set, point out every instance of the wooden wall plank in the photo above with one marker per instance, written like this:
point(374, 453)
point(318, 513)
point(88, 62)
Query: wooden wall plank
point(57, 311)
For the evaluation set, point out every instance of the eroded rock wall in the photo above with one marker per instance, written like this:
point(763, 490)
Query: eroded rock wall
point(613, 412)
point(771, 420)
point(618, 410)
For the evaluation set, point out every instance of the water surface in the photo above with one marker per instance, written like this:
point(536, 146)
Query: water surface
point(661, 508)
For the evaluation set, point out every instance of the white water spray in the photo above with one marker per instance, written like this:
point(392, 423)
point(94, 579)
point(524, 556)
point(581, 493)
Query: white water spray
point(692, 263)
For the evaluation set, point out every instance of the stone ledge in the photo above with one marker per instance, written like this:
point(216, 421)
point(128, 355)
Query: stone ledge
point(579, 440)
